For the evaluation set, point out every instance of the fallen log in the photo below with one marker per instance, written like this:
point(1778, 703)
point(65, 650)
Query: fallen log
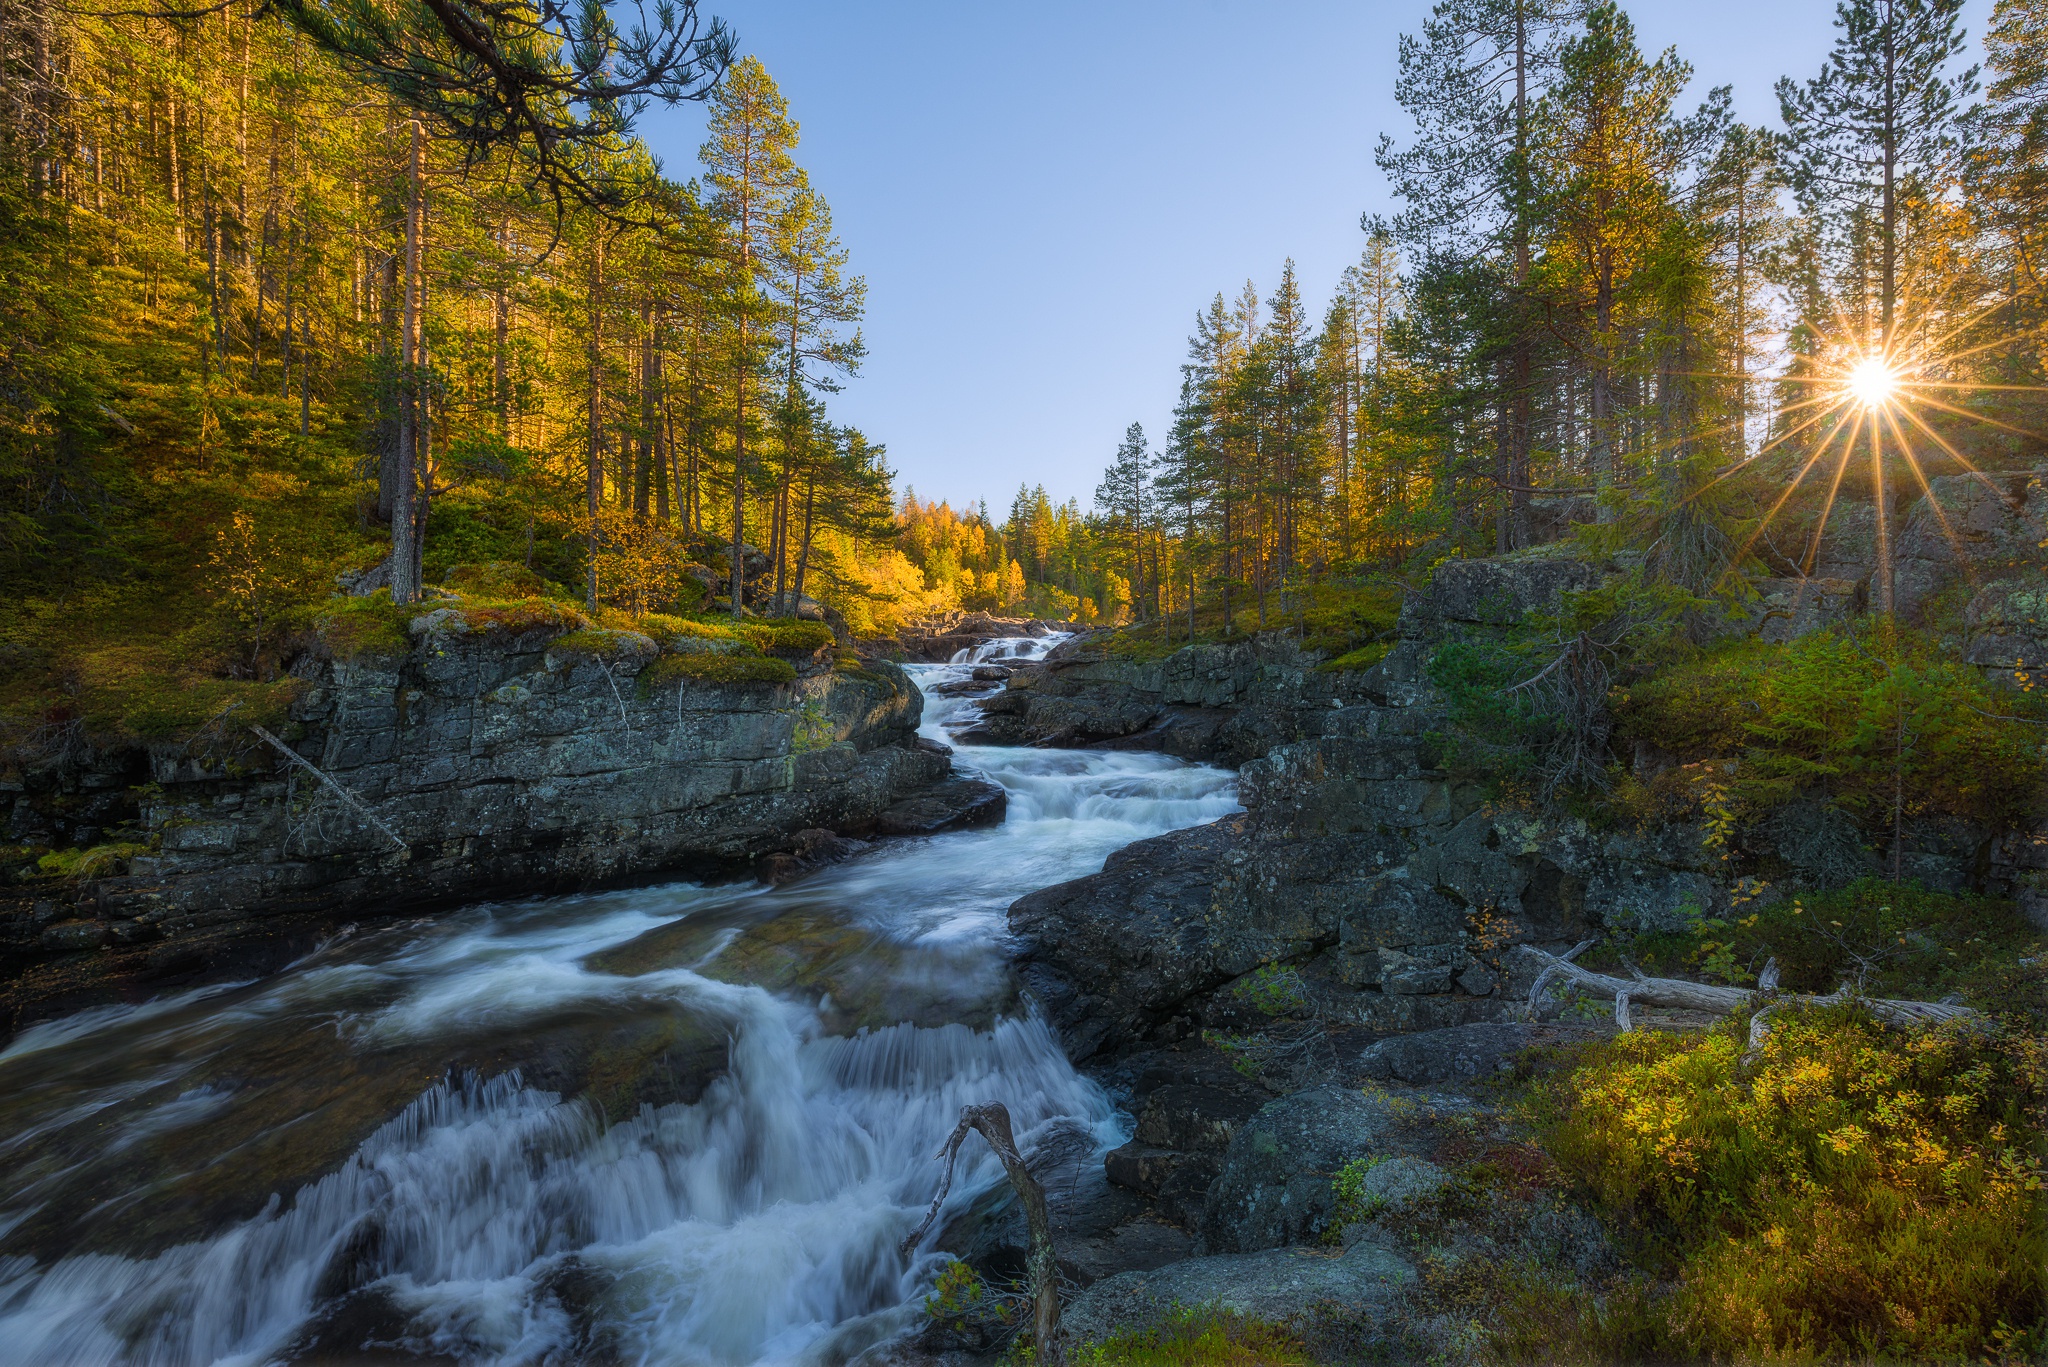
point(1639, 989)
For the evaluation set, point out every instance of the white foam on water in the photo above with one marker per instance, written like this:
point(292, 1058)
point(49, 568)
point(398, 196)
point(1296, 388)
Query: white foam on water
point(502, 1223)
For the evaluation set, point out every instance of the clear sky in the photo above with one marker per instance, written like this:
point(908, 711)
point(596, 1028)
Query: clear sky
point(1041, 197)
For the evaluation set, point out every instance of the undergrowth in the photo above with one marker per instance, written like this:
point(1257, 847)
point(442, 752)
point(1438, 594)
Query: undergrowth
point(1859, 1193)
point(1884, 939)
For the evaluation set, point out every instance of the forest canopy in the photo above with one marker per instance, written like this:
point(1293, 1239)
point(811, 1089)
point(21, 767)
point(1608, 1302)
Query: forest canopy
point(295, 293)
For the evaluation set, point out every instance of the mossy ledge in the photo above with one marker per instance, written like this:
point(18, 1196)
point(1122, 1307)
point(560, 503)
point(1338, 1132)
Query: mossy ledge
point(437, 753)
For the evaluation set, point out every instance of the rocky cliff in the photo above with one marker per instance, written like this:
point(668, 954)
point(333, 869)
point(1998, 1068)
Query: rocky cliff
point(479, 757)
point(1391, 889)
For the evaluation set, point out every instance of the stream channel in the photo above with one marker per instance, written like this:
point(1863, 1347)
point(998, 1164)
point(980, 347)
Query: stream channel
point(675, 1124)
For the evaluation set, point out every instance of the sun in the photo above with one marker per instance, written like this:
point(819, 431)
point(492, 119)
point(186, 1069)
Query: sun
point(1873, 383)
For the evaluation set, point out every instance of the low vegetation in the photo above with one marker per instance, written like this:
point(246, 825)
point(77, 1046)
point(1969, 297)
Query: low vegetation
point(1858, 1193)
point(1198, 1336)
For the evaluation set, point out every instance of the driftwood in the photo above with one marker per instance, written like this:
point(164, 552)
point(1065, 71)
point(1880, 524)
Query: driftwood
point(333, 786)
point(992, 1119)
point(1639, 989)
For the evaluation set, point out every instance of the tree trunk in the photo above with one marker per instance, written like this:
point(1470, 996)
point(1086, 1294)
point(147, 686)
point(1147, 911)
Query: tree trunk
point(404, 553)
point(593, 464)
point(992, 1121)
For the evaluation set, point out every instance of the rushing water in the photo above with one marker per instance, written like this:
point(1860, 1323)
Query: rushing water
point(437, 1139)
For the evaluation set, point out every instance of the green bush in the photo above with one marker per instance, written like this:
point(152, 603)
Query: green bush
point(1860, 1192)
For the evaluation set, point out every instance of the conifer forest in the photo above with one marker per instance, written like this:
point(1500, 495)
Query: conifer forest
point(1512, 827)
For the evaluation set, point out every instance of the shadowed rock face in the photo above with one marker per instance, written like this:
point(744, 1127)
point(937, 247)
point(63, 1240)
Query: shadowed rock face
point(484, 761)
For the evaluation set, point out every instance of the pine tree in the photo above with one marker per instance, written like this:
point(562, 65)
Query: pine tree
point(1877, 124)
point(748, 166)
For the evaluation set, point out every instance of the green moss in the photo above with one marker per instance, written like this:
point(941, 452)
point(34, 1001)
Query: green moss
point(1200, 1336)
point(155, 707)
point(501, 579)
point(848, 664)
point(787, 635)
point(517, 616)
point(1365, 657)
point(368, 627)
point(711, 668)
point(597, 643)
point(98, 862)
point(668, 630)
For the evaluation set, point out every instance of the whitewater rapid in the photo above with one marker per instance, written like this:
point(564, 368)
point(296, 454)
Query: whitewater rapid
point(486, 1219)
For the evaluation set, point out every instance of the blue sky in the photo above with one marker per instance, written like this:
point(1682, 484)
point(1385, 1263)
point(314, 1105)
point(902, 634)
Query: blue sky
point(1042, 196)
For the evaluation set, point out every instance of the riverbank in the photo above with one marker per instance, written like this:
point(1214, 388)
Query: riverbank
point(456, 752)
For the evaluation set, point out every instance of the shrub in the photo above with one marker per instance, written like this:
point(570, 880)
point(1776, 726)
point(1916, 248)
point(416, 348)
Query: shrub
point(1863, 1192)
point(1837, 716)
point(787, 635)
point(714, 669)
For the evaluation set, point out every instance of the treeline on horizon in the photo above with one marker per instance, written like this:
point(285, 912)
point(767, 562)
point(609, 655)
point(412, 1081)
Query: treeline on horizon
point(1596, 305)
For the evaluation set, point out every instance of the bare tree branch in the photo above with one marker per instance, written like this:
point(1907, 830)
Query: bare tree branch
point(992, 1120)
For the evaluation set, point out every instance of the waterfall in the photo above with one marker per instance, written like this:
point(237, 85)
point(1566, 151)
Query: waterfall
point(489, 1219)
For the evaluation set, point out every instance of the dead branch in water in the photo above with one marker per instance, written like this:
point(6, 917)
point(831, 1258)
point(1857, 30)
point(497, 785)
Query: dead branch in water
point(992, 1119)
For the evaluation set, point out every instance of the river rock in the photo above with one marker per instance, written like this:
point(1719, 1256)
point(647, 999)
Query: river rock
point(1457, 1053)
point(1223, 703)
point(960, 801)
point(1274, 1188)
point(1114, 952)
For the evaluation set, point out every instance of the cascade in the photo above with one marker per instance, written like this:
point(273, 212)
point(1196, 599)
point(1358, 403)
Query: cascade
point(482, 1214)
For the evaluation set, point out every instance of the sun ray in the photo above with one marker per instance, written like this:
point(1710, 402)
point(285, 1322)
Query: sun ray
point(1948, 530)
point(1979, 417)
point(1827, 506)
point(1954, 454)
point(1763, 523)
point(1775, 442)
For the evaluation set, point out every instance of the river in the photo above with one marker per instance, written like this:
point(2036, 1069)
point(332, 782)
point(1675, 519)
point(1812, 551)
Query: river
point(673, 1124)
